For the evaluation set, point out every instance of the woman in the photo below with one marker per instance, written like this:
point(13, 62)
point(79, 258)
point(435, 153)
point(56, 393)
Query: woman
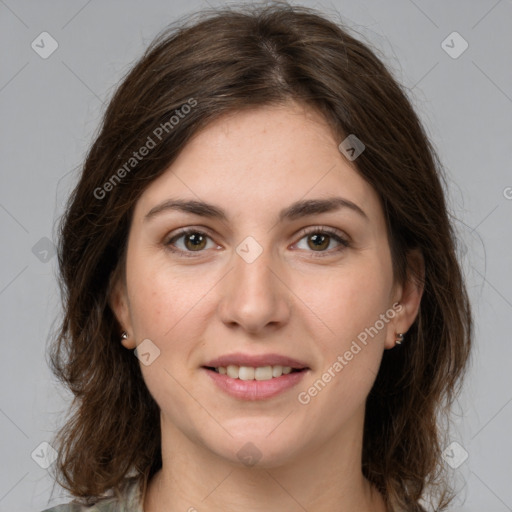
point(261, 221)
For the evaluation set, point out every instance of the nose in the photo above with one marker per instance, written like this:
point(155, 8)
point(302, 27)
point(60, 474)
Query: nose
point(255, 295)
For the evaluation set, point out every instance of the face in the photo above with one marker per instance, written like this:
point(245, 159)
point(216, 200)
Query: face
point(314, 285)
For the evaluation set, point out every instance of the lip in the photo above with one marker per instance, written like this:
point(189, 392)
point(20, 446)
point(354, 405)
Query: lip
point(255, 389)
point(239, 359)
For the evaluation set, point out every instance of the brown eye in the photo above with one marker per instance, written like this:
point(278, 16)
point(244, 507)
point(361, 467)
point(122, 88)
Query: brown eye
point(194, 241)
point(318, 241)
point(197, 241)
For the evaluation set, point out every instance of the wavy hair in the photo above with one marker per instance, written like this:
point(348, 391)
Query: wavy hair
point(226, 60)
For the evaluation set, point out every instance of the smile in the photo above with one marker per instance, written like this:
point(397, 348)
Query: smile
point(250, 373)
point(260, 383)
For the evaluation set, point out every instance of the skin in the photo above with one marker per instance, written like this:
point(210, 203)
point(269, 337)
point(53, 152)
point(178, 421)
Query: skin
point(287, 301)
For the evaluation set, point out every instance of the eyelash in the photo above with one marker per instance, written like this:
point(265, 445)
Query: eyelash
point(318, 230)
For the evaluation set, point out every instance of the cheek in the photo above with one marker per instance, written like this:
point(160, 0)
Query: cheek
point(164, 307)
point(348, 301)
point(347, 307)
point(162, 298)
point(350, 357)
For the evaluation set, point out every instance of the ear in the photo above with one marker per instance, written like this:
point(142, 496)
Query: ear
point(408, 295)
point(120, 306)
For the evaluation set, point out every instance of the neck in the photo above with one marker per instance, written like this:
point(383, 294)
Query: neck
point(324, 478)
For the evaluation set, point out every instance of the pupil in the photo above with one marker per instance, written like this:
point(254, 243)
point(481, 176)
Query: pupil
point(195, 239)
point(316, 238)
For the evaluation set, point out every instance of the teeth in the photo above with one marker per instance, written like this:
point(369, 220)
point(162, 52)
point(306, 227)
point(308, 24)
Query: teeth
point(263, 373)
point(277, 371)
point(232, 371)
point(249, 373)
point(246, 373)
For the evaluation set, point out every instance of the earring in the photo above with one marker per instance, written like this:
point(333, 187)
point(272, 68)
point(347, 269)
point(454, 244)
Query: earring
point(400, 338)
point(124, 336)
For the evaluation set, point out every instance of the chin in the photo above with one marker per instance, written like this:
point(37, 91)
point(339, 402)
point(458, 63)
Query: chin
point(260, 446)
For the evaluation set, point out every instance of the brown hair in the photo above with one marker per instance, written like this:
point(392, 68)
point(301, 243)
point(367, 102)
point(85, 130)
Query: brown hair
point(224, 61)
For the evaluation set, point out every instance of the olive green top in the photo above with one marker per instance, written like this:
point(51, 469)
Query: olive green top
point(131, 501)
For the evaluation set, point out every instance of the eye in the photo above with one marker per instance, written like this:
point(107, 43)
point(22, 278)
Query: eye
point(194, 241)
point(319, 238)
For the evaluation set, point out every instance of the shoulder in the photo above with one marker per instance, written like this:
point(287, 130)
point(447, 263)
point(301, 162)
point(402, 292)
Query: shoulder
point(72, 507)
point(109, 505)
point(130, 501)
point(77, 507)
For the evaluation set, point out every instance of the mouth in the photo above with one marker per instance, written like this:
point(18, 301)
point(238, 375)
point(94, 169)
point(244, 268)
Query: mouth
point(255, 378)
point(264, 366)
point(259, 373)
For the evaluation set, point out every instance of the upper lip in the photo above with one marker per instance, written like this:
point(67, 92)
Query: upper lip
point(239, 359)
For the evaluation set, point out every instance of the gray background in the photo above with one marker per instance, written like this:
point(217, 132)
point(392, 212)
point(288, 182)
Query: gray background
point(51, 108)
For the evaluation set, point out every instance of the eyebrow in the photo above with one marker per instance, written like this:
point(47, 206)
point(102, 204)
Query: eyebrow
point(297, 210)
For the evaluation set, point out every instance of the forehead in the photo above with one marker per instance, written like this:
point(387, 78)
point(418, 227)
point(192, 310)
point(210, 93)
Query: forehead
point(261, 160)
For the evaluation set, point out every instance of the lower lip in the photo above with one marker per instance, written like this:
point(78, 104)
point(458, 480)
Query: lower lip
point(255, 389)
